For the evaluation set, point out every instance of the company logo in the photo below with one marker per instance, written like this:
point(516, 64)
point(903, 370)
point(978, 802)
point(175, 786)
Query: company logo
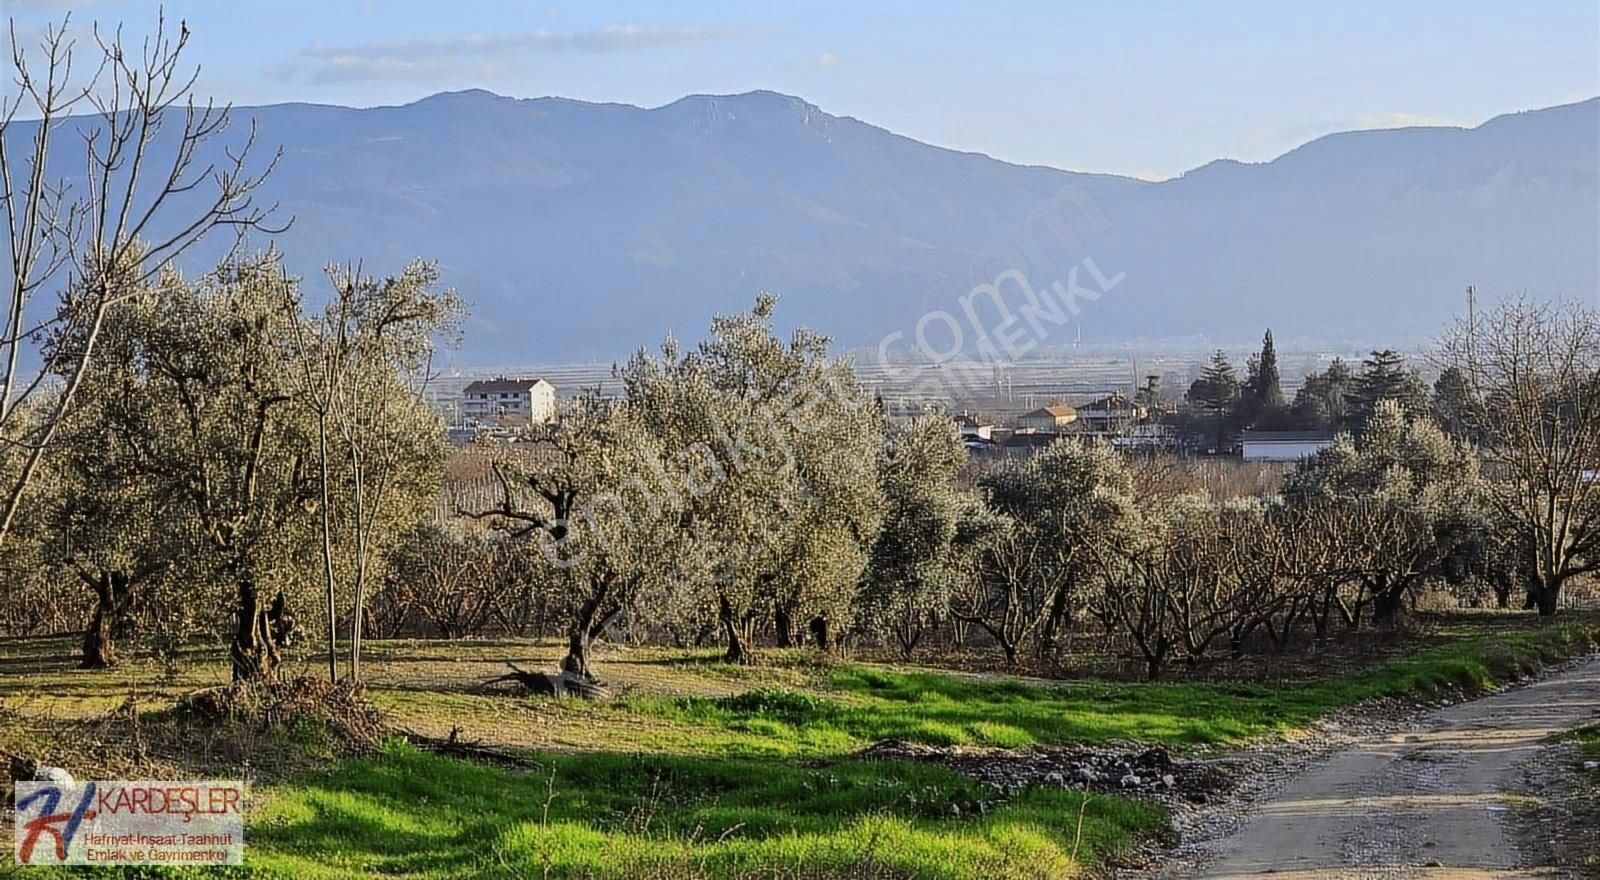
point(135, 823)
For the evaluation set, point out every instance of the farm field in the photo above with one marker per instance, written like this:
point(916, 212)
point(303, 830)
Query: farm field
point(697, 768)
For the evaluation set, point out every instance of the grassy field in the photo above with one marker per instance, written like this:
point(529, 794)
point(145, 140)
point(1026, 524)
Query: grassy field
point(699, 769)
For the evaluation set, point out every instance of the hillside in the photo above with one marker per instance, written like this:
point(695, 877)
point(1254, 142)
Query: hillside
point(580, 229)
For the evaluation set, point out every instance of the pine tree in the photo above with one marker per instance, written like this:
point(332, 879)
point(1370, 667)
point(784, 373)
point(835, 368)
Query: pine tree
point(1217, 389)
point(1384, 376)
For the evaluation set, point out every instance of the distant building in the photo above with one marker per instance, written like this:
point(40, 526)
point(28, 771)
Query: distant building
point(1112, 413)
point(1146, 436)
point(1283, 445)
point(973, 428)
point(1027, 442)
point(1050, 419)
point(529, 401)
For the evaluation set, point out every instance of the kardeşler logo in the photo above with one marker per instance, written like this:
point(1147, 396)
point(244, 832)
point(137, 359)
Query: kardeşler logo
point(131, 823)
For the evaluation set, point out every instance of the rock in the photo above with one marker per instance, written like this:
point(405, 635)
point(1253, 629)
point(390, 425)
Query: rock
point(1130, 781)
point(1591, 765)
point(1169, 781)
point(1087, 774)
point(53, 774)
point(1055, 778)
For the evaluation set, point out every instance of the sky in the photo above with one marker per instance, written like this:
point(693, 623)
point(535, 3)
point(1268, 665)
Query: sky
point(1148, 89)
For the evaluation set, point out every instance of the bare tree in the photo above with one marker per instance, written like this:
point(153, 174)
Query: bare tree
point(364, 365)
point(1533, 374)
point(145, 198)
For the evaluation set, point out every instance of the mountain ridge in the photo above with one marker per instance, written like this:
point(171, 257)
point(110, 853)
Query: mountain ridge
point(579, 229)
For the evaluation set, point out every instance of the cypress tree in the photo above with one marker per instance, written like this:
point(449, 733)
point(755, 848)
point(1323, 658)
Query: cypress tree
point(1269, 385)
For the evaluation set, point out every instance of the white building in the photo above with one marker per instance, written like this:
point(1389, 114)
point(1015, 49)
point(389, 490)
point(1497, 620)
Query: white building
point(973, 428)
point(1283, 445)
point(516, 401)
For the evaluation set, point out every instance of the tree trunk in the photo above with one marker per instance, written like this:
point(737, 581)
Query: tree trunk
point(112, 619)
point(822, 633)
point(1152, 668)
point(740, 647)
point(1502, 593)
point(577, 660)
point(783, 623)
point(1545, 594)
point(98, 644)
point(1387, 602)
point(326, 512)
point(255, 648)
point(581, 633)
point(1060, 617)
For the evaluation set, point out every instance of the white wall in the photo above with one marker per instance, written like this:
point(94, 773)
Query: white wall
point(1281, 450)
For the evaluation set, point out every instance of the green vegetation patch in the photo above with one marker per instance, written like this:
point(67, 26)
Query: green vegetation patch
point(865, 704)
point(1590, 739)
point(608, 815)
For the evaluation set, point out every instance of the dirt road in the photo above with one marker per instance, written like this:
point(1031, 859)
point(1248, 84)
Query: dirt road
point(1431, 802)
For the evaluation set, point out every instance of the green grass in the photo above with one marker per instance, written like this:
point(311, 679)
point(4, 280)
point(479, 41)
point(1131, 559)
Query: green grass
point(610, 815)
point(761, 783)
point(866, 704)
point(1589, 737)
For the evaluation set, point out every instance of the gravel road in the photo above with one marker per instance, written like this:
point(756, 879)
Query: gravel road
point(1432, 801)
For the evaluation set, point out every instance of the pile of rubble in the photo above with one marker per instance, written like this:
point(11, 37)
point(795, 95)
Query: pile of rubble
point(1149, 772)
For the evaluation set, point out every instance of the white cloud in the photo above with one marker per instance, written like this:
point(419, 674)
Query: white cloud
point(427, 58)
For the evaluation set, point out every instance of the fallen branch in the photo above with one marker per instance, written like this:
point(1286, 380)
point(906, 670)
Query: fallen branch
point(475, 750)
point(550, 684)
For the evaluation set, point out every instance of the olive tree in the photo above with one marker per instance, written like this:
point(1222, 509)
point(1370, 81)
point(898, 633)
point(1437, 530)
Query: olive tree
point(774, 447)
point(612, 542)
point(101, 521)
point(1066, 507)
point(200, 400)
point(919, 554)
point(200, 404)
point(1410, 494)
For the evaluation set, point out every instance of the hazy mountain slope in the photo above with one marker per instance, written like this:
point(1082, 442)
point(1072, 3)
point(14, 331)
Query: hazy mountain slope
point(580, 229)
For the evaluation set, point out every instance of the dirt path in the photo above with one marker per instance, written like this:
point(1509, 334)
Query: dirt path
point(1431, 802)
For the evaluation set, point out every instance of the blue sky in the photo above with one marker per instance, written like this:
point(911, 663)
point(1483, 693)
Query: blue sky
point(1149, 89)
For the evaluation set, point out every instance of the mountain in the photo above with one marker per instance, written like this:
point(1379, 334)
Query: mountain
point(579, 229)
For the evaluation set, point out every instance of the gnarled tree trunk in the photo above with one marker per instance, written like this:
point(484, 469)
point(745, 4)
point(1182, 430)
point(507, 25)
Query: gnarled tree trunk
point(740, 633)
point(254, 650)
point(113, 604)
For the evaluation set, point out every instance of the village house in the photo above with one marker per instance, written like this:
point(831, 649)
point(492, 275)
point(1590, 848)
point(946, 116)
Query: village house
point(973, 428)
point(1050, 419)
point(1114, 413)
point(510, 401)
